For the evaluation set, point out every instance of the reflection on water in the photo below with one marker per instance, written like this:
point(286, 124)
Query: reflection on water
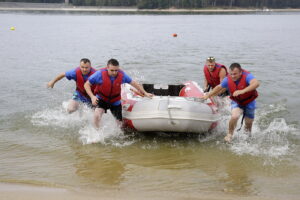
point(98, 167)
point(237, 180)
point(167, 161)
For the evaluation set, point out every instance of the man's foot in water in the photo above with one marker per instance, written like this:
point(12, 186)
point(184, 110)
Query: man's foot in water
point(228, 138)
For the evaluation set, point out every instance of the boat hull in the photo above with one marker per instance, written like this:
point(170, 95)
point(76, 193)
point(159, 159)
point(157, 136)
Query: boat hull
point(182, 114)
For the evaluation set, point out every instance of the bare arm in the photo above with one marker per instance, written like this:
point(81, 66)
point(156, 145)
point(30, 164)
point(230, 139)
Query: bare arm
point(254, 83)
point(205, 84)
point(140, 88)
point(57, 78)
point(214, 92)
point(87, 87)
point(222, 74)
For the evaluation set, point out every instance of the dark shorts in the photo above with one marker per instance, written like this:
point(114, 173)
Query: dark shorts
point(115, 110)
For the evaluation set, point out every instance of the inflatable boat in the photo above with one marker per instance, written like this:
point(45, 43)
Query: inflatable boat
point(174, 108)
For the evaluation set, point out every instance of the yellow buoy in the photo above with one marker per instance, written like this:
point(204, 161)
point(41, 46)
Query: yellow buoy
point(12, 28)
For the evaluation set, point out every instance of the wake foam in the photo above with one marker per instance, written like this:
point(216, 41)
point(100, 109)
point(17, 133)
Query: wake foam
point(109, 133)
point(269, 137)
point(59, 117)
point(271, 142)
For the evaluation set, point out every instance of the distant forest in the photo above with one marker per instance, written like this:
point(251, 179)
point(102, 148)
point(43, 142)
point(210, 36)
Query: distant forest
point(164, 4)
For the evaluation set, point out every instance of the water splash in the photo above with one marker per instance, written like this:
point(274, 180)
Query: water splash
point(270, 142)
point(81, 120)
point(221, 129)
point(271, 138)
point(109, 133)
point(267, 113)
point(60, 118)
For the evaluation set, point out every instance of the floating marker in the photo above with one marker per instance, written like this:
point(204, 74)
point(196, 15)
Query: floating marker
point(174, 35)
point(12, 28)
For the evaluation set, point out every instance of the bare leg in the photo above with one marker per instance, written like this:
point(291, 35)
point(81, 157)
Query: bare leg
point(235, 115)
point(248, 124)
point(72, 106)
point(97, 117)
point(119, 123)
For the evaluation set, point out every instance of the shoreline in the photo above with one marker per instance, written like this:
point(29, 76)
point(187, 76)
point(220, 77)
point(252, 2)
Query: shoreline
point(29, 192)
point(5, 6)
point(18, 191)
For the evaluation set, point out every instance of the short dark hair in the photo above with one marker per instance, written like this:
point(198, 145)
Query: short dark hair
point(235, 65)
point(112, 62)
point(85, 60)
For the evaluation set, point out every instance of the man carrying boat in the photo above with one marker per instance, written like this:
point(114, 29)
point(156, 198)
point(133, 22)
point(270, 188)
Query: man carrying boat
point(108, 90)
point(80, 76)
point(241, 85)
point(214, 73)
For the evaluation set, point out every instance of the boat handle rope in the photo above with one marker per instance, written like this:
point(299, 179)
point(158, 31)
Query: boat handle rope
point(169, 112)
point(244, 110)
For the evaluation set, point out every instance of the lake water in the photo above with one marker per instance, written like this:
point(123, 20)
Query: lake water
point(42, 145)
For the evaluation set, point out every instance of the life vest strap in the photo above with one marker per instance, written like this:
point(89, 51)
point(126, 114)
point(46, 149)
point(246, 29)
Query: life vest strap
point(242, 119)
point(109, 97)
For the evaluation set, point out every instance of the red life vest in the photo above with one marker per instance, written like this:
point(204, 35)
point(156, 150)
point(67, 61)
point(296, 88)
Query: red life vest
point(110, 91)
point(213, 78)
point(242, 99)
point(80, 81)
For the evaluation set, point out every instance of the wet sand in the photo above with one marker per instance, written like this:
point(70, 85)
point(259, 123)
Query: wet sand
point(12, 191)
point(28, 192)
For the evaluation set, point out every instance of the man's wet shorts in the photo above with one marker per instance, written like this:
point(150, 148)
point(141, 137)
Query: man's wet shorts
point(115, 110)
point(78, 97)
point(249, 109)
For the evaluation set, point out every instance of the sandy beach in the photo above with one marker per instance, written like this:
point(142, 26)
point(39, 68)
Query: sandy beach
point(13, 6)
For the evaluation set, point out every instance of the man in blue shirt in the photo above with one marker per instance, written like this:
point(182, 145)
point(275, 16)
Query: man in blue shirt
point(242, 87)
point(79, 75)
point(107, 94)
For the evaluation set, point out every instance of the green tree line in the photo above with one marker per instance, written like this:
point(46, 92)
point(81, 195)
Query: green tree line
point(154, 4)
point(34, 1)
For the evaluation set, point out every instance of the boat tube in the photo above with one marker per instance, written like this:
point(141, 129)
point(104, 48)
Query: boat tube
point(174, 108)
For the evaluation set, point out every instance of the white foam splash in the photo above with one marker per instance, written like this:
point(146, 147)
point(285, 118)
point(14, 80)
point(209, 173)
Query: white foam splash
point(59, 116)
point(272, 142)
point(269, 138)
point(109, 133)
point(269, 141)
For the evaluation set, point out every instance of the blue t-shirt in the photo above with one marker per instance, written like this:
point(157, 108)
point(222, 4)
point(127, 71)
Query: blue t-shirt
point(96, 78)
point(249, 77)
point(71, 75)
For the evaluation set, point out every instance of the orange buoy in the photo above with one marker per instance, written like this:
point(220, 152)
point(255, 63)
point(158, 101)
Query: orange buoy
point(174, 35)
